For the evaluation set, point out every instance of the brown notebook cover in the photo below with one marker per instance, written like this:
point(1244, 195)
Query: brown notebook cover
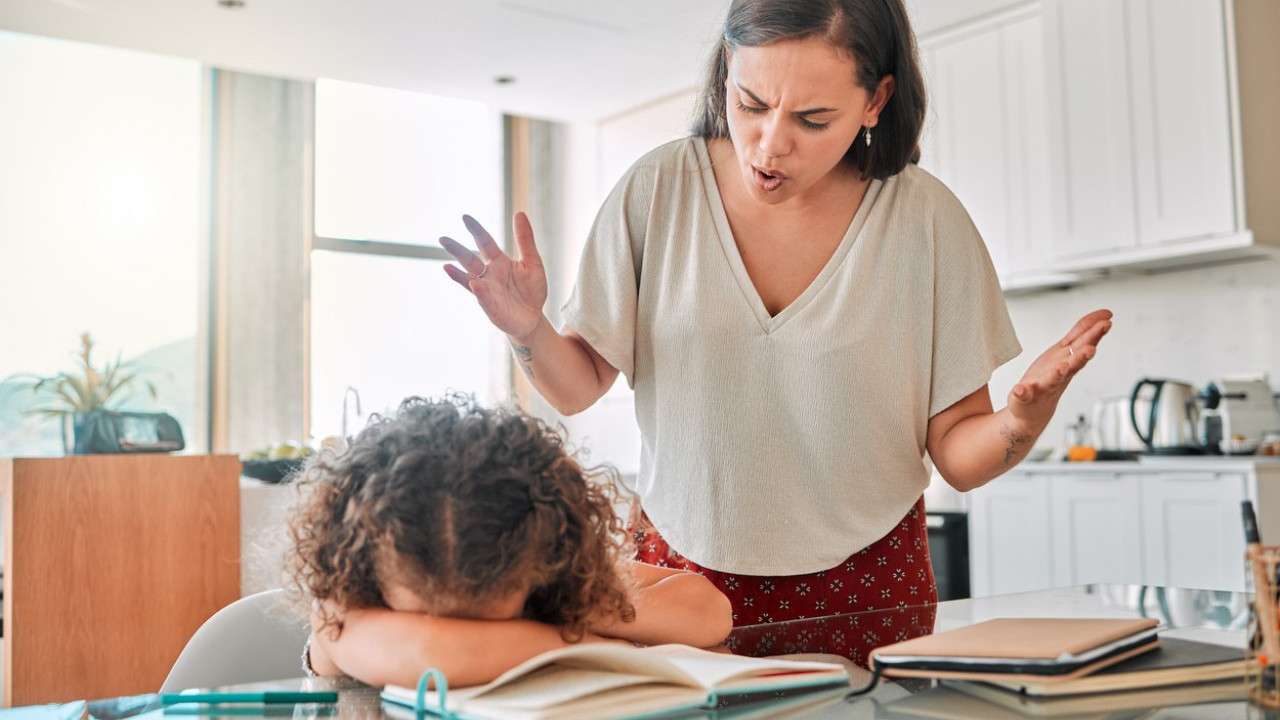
point(1045, 650)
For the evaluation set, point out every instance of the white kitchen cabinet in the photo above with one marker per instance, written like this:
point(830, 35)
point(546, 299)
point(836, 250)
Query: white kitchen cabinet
point(1182, 147)
point(986, 138)
point(1173, 522)
point(1192, 530)
point(1009, 542)
point(1091, 146)
point(1093, 528)
point(1144, 134)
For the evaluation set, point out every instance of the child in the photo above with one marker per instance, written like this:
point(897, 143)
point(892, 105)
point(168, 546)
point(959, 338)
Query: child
point(467, 539)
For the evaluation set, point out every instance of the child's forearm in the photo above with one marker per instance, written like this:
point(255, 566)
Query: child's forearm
point(682, 608)
point(380, 647)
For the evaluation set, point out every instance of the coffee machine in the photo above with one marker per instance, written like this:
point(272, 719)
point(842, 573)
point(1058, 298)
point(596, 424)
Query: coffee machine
point(1238, 409)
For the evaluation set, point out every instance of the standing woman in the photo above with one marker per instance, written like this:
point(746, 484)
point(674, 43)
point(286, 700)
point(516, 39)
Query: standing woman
point(803, 314)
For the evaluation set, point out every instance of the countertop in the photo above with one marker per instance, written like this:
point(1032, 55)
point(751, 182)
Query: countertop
point(1158, 463)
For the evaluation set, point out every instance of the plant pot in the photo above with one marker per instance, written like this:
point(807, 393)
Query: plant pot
point(73, 425)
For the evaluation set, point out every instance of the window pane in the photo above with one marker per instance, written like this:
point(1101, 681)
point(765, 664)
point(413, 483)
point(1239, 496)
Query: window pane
point(403, 167)
point(392, 327)
point(100, 192)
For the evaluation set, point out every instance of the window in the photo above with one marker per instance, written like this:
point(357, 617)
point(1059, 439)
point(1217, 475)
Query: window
point(100, 191)
point(394, 171)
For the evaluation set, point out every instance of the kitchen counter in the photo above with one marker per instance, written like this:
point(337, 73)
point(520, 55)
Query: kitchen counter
point(1158, 463)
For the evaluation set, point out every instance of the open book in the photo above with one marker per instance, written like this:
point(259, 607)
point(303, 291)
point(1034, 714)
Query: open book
point(599, 681)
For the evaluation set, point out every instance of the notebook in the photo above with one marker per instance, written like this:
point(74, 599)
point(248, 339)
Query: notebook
point(597, 681)
point(1031, 650)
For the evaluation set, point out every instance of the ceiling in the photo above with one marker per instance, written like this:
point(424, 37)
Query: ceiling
point(567, 59)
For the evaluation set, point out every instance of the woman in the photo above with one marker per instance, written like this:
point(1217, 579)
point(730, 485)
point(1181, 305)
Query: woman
point(803, 314)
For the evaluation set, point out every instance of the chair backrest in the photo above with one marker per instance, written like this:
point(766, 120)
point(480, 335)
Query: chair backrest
point(254, 638)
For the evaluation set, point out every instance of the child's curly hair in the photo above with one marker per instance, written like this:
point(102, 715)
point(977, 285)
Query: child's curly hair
point(462, 505)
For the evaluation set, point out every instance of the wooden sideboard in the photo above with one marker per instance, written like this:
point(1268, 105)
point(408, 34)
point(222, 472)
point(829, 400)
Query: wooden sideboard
point(111, 562)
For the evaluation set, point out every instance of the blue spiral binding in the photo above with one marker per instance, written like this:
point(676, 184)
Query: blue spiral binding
point(442, 689)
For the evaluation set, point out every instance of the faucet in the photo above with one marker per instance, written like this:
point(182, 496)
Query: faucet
point(350, 391)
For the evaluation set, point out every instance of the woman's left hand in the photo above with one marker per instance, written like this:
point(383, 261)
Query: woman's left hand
point(1035, 397)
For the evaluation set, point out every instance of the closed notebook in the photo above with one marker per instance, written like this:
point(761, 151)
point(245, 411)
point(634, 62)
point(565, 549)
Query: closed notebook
point(1042, 650)
point(1175, 662)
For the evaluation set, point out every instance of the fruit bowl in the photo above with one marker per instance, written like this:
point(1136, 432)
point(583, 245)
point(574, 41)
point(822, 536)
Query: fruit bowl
point(272, 471)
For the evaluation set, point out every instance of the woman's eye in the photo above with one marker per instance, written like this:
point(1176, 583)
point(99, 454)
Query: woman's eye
point(754, 110)
point(813, 125)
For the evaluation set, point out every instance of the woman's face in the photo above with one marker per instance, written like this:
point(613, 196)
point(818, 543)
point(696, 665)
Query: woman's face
point(793, 109)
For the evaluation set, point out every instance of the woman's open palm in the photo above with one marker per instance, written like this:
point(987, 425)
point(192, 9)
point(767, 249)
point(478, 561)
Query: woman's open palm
point(511, 292)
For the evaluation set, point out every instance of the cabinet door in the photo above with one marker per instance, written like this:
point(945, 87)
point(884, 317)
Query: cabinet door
point(1009, 543)
point(1181, 119)
point(1091, 145)
point(1191, 530)
point(1028, 227)
point(969, 139)
point(1096, 528)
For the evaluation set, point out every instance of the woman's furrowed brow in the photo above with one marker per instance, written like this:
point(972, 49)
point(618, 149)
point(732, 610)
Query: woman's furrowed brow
point(755, 98)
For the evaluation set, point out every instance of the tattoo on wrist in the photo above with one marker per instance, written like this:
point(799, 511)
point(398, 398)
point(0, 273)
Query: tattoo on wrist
point(1016, 441)
point(524, 358)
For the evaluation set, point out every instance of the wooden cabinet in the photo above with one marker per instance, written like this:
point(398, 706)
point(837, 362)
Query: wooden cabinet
point(1174, 524)
point(111, 563)
point(986, 137)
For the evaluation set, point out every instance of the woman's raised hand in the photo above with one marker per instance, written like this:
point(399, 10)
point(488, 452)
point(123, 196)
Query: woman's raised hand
point(511, 292)
point(1035, 397)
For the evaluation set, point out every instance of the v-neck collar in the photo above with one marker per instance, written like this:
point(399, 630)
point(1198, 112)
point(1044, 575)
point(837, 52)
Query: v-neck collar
point(769, 323)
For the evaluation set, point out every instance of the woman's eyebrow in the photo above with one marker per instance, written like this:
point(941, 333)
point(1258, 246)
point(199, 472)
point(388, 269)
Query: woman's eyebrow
point(758, 101)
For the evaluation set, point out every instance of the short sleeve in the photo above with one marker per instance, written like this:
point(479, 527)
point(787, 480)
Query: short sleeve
point(602, 306)
point(972, 332)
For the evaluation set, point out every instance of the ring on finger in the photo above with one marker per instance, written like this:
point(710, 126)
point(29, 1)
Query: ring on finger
point(484, 270)
point(1071, 352)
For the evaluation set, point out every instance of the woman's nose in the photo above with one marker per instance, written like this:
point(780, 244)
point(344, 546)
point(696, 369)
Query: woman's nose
point(775, 138)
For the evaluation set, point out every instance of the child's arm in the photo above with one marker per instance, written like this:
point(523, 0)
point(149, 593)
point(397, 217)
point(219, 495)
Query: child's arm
point(379, 646)
point(672, 606)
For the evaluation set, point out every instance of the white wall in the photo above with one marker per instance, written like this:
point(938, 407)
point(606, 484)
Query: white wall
point(1193, 325)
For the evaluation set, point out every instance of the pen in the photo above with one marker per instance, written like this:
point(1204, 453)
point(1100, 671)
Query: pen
point(265, 698)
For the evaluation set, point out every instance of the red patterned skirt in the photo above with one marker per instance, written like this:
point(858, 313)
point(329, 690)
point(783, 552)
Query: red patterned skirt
point(881, 594)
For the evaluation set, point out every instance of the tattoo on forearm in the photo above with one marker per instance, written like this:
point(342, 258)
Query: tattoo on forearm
point(1016, 440)
point(524, 358)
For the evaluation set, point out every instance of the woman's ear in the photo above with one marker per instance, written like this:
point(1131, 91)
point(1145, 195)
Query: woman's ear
point(884, 91)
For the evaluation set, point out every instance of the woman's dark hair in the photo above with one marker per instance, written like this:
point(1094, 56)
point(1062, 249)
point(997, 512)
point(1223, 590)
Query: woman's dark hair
point(462, 505)
point(876, 34)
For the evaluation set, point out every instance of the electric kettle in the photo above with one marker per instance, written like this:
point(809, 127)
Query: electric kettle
point(1172, 419)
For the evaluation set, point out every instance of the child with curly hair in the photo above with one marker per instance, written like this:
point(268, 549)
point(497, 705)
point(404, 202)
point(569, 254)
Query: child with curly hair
point(467, 539)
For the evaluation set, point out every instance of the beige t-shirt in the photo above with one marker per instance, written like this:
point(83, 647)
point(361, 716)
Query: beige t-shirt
point(782, 445)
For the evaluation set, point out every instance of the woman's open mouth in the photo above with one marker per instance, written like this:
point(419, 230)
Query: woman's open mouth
point(767, 182)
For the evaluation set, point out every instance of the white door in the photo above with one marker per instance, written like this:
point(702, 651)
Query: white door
point(1028, 227)
point(1182, 123)
point(1192, 534)
point(1096, 532)
point(1090, 142)
point(1009, 543)
point(969, 140)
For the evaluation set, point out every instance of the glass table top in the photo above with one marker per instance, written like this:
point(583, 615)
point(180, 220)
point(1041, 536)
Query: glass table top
point(1211, 616)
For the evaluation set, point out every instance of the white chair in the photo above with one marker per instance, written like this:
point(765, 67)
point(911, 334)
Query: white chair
point(254, 638)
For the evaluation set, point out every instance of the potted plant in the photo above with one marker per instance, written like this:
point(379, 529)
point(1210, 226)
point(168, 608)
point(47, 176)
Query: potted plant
point(78, 397)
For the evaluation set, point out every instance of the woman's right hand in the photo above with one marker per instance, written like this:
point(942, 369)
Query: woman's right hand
point(511, 292)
